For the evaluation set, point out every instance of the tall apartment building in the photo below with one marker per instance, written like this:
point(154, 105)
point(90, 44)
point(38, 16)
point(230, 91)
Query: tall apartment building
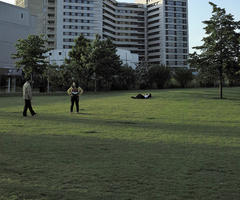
point(124, 23)
point(45, 11)
point(167, 31)
point(157, 30)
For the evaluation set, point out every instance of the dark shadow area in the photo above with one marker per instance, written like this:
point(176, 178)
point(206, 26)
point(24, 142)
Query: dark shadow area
point(192, 128)
point(91, 132)
point(74, 167)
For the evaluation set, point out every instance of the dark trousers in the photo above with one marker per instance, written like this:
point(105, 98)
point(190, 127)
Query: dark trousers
point(75, 99)
point(139, 96)
point(27, 106)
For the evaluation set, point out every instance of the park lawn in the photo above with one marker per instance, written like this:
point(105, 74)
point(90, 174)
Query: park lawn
point(181, 144)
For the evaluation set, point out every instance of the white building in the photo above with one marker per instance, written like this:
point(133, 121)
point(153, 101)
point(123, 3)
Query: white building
point(15, 23)
point(57, 57)
point(157, 30)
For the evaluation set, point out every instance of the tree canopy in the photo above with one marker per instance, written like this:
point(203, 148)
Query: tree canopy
point(220, 50)
point(30, 56)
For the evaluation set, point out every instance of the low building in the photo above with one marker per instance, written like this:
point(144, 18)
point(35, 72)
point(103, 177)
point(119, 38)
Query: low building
point(57, 56)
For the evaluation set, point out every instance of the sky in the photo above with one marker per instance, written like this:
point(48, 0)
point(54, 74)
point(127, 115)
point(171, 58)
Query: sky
point(198, 10)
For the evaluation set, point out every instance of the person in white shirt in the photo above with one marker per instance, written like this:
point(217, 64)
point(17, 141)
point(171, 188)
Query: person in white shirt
point(143, 96)
point(27, 96)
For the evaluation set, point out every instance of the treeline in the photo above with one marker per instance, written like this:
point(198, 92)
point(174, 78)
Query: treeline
point(95, 66)
point(126, 78)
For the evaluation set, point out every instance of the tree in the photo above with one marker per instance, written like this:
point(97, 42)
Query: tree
point(183, 76)
point(125, 79)
point(30, 57)
point(218, 51)
point(159, 75)
point(104, 60)
point(142, 75)
point(78, 63)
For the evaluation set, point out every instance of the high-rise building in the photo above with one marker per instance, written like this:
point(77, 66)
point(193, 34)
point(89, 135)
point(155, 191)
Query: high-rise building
point(45, 11)
point(124, 23)
point(157, 30)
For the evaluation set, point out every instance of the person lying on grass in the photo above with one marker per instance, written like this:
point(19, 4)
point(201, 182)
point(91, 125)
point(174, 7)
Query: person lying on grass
point(142, 96)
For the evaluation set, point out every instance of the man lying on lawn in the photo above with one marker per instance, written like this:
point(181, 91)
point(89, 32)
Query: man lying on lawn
point(142, 96)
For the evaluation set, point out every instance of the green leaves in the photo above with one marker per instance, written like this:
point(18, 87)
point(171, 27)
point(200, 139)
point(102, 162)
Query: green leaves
point(30, 55)
point(183, 76)
point(220, 49)
point(96, 59)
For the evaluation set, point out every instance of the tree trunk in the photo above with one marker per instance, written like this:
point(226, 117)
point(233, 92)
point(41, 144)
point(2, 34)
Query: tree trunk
point(95, 82)
point(95, 85)
point(220, 83)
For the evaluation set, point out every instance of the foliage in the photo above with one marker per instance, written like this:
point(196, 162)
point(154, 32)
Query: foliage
point(77, 65)
point(105, 61)
point(142, 75)
point(159, 75)
point(30, 57)
point(92, 61)
point(218, 51)
point(59, 78)
point(183, 76)
point(125, 79)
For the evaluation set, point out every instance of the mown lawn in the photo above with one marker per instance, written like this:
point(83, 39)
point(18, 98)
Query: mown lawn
point(181, 144)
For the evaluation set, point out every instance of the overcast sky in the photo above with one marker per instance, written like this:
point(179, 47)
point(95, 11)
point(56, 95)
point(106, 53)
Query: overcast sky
point(199, 10)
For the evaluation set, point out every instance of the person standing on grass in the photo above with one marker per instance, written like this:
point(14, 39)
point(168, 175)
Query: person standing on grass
point(27, 96)
point(74, 91)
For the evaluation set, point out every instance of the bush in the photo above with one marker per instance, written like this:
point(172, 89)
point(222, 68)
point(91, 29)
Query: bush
point(159, 75)
point(183, 76)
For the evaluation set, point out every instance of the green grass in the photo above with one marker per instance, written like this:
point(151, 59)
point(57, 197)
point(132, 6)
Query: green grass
point(179, 145)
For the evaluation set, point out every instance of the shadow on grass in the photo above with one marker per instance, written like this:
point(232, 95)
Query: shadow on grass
point(231, 94)
point(221, 129)
point(75, 167)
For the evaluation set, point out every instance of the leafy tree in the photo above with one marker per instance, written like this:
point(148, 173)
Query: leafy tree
point(159, 75)
point(142, 75)
point(104, 60)
point(57, 77)
point(78, 63)
point(30, 57)
point(183, 76)
point(126, 78)
point(218, 52)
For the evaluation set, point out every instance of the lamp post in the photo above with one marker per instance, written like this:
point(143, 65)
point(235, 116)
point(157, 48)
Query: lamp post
point(9, 80)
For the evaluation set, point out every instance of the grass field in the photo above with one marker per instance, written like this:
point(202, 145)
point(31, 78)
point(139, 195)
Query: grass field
point(179, 145)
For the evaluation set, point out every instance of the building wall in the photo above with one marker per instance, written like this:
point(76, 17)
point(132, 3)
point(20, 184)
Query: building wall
point(15, 23)
point(176, 45)
point(157, 30)
point(58, 56)
point(131, 59)
point(45, 11)
point(124, 23)
point(81, 17)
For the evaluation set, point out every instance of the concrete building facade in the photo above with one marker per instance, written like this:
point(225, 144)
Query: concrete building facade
point(157, 30)
point(58, 56)
point(15, 23)
point(46, 13)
